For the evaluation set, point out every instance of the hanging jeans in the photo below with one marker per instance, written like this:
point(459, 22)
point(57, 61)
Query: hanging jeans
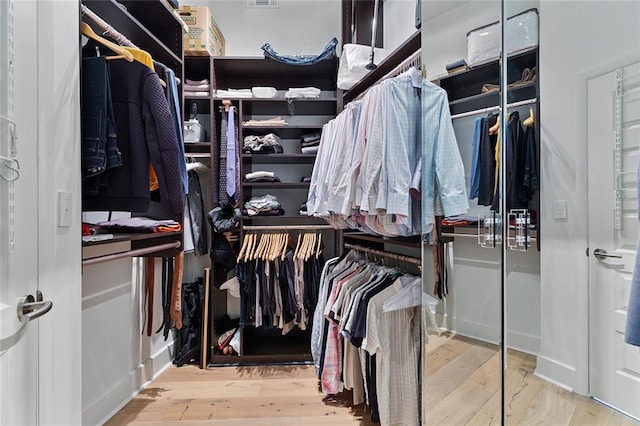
point(327, 53)
point(99, 140)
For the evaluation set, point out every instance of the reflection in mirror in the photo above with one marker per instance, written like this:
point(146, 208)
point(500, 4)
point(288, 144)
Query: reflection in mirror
point(462, 362)
point(521, 207)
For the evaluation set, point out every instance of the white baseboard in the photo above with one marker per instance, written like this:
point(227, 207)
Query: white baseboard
point(121, 394)
point(486, 333)
point(559, 374)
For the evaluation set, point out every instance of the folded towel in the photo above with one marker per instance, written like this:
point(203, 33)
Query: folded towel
point(310, 150)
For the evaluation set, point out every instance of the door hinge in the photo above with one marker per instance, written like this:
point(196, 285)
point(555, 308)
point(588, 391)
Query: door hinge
point(586, 253)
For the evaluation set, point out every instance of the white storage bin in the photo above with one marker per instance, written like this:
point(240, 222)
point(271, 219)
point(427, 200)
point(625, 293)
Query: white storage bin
point(483, 44)
point(192, 130)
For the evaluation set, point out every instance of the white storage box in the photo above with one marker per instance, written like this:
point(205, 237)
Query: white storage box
point(483, 44)
point(192, 130)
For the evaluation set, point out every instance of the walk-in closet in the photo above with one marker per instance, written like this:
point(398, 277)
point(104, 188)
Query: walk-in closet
point(307, 212)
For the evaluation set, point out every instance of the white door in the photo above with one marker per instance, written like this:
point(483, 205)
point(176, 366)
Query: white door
point(614, 366)
point(18, 219)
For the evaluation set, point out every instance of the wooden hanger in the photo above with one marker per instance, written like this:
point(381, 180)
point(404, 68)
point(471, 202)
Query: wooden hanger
point(295, 253)
point(286, 246)
point(495, 128)
point(245, 243)
point(123, 53)
point(529, 120)
point(252, 247)
point(227, 104)
point(319, 251)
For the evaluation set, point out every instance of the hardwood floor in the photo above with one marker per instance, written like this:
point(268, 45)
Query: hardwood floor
point(462, 388)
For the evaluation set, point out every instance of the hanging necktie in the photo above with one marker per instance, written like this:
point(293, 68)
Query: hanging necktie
point(231, 155)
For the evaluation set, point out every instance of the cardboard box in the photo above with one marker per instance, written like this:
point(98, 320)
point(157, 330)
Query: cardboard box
point(204, 37)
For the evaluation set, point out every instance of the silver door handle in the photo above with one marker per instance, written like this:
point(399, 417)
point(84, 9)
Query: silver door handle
point(30, 309)
point(601, 254)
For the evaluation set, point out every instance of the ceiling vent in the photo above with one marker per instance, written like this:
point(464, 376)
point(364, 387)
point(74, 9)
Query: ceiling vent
point(261, 4)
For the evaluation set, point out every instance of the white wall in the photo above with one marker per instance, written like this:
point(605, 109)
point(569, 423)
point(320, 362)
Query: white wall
point(58, 160)
point(295, 27)
point(571, 51)
point(399, 22)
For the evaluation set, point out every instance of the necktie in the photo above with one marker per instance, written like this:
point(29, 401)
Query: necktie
point(231, 154)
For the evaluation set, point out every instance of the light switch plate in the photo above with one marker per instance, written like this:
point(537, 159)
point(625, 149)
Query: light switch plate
point(64, 209)
point(560, 209)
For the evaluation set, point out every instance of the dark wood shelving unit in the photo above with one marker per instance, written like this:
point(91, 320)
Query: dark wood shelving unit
point(152, 26)
point(262, 345)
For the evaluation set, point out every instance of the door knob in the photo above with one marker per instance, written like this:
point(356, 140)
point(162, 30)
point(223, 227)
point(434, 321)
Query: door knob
point(29, 308)
point(601, 254)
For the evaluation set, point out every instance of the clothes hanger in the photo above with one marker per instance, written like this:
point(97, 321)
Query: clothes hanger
point(245, 242)
point(319, 246)
point(295, 253)
point(123, 53)
point(286, 246)
point(530, 120)
point(495, 128)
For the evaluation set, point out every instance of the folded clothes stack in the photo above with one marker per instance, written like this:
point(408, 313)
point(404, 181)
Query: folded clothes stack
point(264, 205)
point(140, 224)
point(234, 93)
point(303, 209)
point(302, 93)
point(267, 144)
point(460, 220)
point(261, 176)
point(197, 87)
point(271, 122)
point(309, 143)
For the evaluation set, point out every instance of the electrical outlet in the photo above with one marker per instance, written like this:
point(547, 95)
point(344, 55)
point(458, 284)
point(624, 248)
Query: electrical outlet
point(560, 209)
point(64, 209)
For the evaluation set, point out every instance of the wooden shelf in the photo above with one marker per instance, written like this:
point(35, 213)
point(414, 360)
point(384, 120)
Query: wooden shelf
point(279, 158)
point(413, 242)
point(234, 71)
point(134, 241)
point(196, 98)
point(485, 100)
point(464, 88)
point(127, 24)
point(285, 218)
point(276, 184)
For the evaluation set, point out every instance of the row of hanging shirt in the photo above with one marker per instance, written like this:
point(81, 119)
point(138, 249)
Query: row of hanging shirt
point(522, 170)
point(279, 284)
point(366, 337)
point(374, 156)
point(131, 132)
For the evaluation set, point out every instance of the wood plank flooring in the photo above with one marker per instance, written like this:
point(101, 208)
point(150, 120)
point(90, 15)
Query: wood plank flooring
point(462, 388)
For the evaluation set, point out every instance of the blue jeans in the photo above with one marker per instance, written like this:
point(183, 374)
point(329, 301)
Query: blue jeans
point(99, 139)
point(327, 53)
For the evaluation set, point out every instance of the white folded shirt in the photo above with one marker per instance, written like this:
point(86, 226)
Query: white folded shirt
point(259, 174)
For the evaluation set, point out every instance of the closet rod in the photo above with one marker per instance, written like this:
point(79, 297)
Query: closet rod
point(396, 256)
point(494, 108)
point(131, 253)
point(108, 29)
point(285, 227)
